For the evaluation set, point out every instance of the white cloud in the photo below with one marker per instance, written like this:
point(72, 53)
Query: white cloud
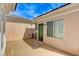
point(30, 10)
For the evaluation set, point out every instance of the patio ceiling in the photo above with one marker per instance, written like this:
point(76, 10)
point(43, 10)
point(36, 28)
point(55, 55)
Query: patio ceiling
point(8, 7)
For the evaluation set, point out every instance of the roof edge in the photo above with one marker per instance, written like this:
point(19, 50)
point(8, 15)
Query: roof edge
point(52, 10)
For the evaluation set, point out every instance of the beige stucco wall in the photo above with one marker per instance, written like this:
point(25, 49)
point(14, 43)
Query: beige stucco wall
point(70, 43)
point(16, 31)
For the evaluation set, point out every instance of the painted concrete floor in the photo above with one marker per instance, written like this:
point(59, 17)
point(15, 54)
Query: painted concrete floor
point(29, 48)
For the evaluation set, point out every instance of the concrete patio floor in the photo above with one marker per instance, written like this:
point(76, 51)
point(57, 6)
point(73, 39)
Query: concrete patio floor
point(30, 48)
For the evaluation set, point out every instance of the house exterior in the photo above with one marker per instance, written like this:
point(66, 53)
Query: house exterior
point(13, 28)
point(60, 28)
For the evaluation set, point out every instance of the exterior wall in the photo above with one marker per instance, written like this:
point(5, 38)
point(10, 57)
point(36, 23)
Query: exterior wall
point(16, 31)
point(70, 43)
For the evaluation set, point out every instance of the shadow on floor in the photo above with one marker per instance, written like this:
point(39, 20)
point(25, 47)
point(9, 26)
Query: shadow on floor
point(34, 44)
point(29, 38)
point(52, 48)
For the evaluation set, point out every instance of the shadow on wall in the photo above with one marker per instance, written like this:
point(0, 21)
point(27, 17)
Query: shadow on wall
point(30, 37)
point(29, 34)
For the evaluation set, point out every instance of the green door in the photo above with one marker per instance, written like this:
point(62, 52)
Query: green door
point(40, 32)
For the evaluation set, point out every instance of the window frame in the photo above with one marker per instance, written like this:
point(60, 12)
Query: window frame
point(54, 28)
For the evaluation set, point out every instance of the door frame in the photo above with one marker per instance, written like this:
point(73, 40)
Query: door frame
point(42, 32)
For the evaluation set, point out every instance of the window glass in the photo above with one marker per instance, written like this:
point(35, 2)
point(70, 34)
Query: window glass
point(55, 28)
point(58, 28)
point(50, 28)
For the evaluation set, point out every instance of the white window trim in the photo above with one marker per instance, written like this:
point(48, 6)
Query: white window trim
point(54, 28)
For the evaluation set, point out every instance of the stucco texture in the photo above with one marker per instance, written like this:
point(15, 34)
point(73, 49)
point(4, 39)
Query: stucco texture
point(17, 31)
point(70, 43)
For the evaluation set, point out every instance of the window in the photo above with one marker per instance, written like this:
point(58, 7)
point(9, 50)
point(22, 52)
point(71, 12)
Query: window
point(50, 28)
point(58, 28)
point(55, 28)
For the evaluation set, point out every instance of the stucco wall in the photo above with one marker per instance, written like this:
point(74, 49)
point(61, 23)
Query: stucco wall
point(70, 43)
point(16, 31)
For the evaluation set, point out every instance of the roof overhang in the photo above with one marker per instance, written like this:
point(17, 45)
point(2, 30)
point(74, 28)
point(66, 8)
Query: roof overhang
point(18, 20)
point(62, 11)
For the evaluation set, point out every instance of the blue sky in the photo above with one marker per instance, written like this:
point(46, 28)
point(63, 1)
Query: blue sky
point(32, 10)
